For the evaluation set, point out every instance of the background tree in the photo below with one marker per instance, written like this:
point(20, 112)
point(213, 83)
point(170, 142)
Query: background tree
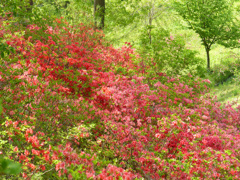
point(213, 20)
point(154, 9)
point(126, 19)
point(99, 13)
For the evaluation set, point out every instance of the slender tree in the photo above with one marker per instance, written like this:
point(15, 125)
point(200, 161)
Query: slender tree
point(154, 9)
point(99, 13)
point(213, 20)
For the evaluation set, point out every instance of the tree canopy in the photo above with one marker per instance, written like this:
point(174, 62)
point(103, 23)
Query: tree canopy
point(213, 20)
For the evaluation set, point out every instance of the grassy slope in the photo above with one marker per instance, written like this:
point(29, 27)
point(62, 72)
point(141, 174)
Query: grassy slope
point(227, 92)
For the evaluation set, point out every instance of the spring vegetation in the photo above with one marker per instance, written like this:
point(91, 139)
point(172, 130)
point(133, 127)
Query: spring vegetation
point(119, 89)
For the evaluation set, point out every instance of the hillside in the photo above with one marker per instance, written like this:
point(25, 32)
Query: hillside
point(75, 107)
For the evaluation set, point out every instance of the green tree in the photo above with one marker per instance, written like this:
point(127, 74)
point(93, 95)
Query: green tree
point(213, 20)
point(125, 19)
point(153, 9)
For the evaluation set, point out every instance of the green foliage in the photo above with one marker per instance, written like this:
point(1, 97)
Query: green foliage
point(1, 108)
point(5, 49)
point(9, 167)
point(227, 68)
point(75, 172)
point(22, 13)
point(78, 11)
point(213, 20)
point(125, 18)
point(169, 54)
point(228, 91)
point(222, 72)
point(122, 13)
point(19, 8)
point(43, 12)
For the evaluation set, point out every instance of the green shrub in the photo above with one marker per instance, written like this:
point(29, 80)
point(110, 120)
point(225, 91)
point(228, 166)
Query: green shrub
point(221, 73)
point(228, 68)
point(5, 49)
point(169, 54)
point(8, 167)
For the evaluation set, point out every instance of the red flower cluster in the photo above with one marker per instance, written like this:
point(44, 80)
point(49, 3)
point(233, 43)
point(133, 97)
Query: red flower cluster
point(69, 112)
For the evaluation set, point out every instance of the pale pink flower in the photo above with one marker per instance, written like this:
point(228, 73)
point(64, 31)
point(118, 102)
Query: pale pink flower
point(204, 117)
point(157, 135)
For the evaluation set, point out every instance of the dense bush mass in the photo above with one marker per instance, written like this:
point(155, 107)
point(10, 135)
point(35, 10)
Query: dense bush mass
point(77, 108)
point(169, 53)
point(228, 68)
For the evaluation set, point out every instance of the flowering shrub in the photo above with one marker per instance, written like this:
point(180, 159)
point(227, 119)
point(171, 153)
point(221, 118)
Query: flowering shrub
point(68, 112)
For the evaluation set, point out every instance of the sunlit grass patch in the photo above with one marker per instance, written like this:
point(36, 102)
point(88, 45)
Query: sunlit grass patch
point(227, 92)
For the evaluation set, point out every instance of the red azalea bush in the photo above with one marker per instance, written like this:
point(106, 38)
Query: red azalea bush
point(69, 113)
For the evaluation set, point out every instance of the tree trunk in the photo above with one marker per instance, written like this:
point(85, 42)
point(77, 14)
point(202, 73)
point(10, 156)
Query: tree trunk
point(99, 13)
point(150, 26)
point(208, 58)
